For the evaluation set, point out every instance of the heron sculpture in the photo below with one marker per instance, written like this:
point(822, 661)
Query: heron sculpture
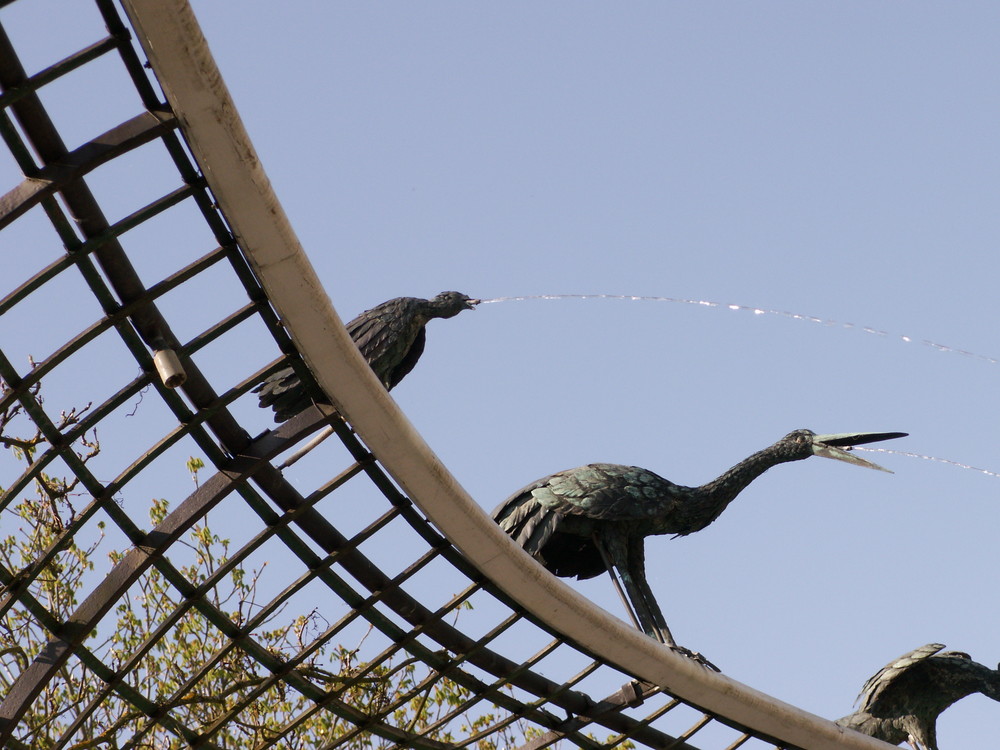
point(901, 702)
point(595, 518)
point(391, 337)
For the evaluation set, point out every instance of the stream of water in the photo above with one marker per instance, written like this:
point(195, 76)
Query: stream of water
point(794, 316)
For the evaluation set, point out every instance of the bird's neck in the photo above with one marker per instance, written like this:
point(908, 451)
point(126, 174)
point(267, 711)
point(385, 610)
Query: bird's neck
point(707, 502)
point(435, 309)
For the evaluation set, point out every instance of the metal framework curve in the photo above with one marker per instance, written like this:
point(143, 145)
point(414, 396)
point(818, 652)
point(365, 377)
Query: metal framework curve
point(534, 655)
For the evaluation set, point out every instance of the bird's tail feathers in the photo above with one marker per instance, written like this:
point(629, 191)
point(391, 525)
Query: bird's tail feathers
point(529, 525)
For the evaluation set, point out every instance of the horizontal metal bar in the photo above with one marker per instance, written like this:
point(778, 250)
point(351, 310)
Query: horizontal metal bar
point(61, 68)
point(56, 176)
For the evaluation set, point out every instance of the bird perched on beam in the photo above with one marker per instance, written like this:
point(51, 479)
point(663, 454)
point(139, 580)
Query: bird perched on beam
point(595, 518)
point(901, 702)
point(391, 338)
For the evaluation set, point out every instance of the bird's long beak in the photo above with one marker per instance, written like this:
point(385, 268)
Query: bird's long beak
point(471, 303)
point(838, 446)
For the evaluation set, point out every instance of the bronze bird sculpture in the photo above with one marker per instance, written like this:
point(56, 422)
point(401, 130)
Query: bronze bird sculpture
point(901, 702)
point(391, 338)
point(595, 518)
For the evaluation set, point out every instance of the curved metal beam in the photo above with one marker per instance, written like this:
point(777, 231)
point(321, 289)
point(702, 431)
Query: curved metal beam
point(171, 37)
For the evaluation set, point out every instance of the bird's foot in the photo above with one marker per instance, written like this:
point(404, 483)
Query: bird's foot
point(695, 656)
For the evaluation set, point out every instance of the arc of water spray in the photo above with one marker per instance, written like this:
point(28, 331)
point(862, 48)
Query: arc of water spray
point(756, 311)
point(793, 316)
point(987, 472)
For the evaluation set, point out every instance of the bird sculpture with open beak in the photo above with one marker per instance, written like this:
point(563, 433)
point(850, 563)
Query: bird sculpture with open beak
point(595, 518)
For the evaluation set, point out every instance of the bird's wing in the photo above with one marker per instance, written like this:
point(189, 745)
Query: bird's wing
point(385, 334)
point(555, 518)
point(276, 384)
point(390, 337)
point(877, 685)
point(528, 522)
point(609, 492)
point(599, 492)
point(285, 393)
point(409, 361)
point(368, 331)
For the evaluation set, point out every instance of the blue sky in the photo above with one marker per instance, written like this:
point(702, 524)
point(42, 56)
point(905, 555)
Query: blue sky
point(836, 160)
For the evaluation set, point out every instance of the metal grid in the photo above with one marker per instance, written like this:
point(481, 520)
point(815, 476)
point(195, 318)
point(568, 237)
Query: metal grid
point(344, 560)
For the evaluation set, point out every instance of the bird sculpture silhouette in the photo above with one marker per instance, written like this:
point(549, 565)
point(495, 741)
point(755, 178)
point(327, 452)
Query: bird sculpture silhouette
point(391, 338)
point(595, 518)
point(901, 702)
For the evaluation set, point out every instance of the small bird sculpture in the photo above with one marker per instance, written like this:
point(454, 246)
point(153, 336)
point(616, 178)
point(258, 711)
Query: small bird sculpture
point(391, 338)
point(901, 702)
point(595, 518)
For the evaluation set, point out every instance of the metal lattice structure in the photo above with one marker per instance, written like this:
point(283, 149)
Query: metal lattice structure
point(387, 546)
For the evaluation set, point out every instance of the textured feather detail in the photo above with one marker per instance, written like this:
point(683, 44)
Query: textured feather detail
point(520, 521)
point(390, 337)
point(905, 697)
point(283, 392)
point(876, 685)
point(607, 492)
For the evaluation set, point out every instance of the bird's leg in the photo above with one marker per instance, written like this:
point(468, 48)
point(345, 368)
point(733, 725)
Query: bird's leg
point(614, 579)
point(637, 573)
point(635, 577)
point(616, 550)
point(628, 558)
point(650, 626)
